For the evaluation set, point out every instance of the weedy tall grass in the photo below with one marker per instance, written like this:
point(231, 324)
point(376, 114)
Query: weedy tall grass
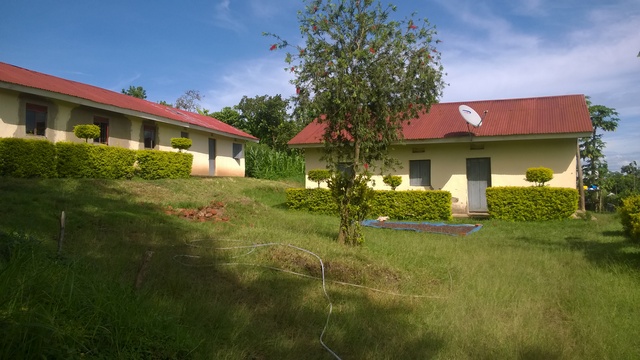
point(553, 290)
point(263, 162)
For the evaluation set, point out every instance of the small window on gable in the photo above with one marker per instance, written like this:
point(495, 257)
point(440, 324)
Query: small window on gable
point(420, 172)
point(103, 124)
point(238, 152)
point(150, 136)
point(184, 134)
point(36, 119)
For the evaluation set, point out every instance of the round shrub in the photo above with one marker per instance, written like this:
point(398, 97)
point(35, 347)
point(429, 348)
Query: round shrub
point(181, 143)
point(539, 175)
point(87, 131)
point(392, 180)
point(319, 175)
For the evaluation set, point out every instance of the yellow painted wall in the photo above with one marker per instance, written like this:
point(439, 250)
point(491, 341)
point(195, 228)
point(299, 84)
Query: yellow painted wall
point(509, 163)
point(124, 131)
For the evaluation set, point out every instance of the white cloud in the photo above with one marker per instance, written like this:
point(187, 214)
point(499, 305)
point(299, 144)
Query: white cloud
point(225, 19)
point(262, 76)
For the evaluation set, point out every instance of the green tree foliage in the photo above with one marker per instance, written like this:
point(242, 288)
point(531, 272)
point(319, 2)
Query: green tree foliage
point(227, 115)
point(189, 101)
point(135, 91)
point(266, 118)
point(86, 131)
point(594, 165)
point(181, 143)
point(539, 175)
point(362, 74)
point(621, 184)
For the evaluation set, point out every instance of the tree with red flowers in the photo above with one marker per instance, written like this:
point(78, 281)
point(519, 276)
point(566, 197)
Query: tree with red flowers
point(362, 74)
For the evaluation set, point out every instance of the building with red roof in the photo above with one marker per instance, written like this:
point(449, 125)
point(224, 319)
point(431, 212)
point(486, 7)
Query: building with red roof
point(37, 105)
point(440, 150)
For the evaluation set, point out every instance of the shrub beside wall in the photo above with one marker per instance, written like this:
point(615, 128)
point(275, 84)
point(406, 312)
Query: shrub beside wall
point(27, 158)
point(630, 216)
point(531, 203)
point(398, 205)
point(412, 205)
point(154, 165)
point(110, 162)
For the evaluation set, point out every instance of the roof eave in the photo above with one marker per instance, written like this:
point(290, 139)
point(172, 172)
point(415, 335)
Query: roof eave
point(116, 109)
point(472, 138)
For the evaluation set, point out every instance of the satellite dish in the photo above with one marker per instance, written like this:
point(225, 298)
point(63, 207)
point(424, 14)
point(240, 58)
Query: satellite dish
point(470, 115)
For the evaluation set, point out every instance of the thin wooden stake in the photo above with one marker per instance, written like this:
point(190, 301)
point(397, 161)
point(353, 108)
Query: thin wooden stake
point(61, 238)
point(142, 271)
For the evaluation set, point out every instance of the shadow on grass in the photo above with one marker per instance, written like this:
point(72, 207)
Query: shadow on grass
point(234, 314)
point(604, 254)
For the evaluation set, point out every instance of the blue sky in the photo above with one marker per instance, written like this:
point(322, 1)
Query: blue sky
point(490, 49)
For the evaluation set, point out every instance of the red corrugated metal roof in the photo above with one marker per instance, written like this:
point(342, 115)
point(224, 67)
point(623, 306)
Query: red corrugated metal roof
point(566, 114)
point(19, 76)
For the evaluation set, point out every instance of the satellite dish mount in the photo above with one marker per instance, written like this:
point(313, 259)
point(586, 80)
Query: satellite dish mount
point(471, 117)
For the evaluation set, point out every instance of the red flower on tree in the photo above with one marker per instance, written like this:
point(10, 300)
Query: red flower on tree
point(273, 47)
point(372, 50)
point(413, 27)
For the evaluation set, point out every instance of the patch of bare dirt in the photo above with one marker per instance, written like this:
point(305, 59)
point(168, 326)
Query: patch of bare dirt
point(214, 212)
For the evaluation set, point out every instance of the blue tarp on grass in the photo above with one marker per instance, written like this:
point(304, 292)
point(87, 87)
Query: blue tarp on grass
point(437, 228)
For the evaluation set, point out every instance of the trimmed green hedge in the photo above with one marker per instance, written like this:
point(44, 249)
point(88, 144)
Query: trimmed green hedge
point(531, 203)
point(398, 205)
point(94, 161)
point(314, 200)
point(153, 164)
point(30, 158)
point(412, 204)
point(74, 160)
point(110, 162)
point(630, 216)
point(27, 158)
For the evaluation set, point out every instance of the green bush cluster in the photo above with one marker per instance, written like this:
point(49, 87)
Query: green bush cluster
point(398, 205)
point(318, 201)
point(531, 203)
point(539, 175)
point(30, 158)
point(90, 161)
point(630, 216)
point(412, 204)
point(27, 158)
point(154, 165)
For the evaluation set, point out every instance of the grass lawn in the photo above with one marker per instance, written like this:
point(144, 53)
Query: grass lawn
point(552, 290)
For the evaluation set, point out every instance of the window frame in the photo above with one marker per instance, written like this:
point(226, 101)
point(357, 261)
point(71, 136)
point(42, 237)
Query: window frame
point(104, 135)
point(417, 170)
point(36, 109)
point(237, 151)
